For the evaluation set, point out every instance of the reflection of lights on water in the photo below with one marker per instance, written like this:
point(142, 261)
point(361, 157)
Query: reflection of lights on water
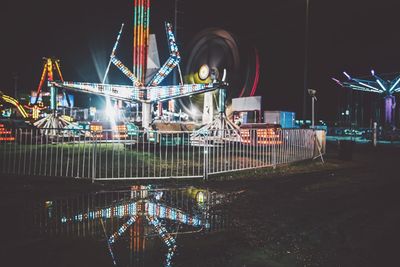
point(200, 197)
point(48, 204)
point(158, 195)
point(157, 215)
point(133, 209)
point(166, 237)
point(122, 229)
point(49, 207)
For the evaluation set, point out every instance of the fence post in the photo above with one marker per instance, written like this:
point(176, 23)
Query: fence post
point(274, 143)
point(317, 148)
point(205, 158)
point(94, 156)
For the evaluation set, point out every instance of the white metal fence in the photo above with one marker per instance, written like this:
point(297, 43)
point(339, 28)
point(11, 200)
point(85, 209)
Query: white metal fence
point(109, 155)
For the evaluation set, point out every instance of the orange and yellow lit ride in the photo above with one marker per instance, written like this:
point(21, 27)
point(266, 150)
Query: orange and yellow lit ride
point(14, 102)
point(96, 130)
point(36, 110)
point(49, 66)
point(260, 134)
point(120, 131)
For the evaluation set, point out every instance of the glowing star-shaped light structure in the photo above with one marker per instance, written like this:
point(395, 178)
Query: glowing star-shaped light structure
point(146, 88)
point(152, 211)
point(375, 84)
point(146, 94)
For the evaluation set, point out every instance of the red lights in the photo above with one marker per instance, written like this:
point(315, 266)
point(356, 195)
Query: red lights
point(5, 134)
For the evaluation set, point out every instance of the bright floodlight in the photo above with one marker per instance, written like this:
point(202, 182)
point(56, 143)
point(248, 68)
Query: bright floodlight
point(204, 72)
point(312, 92)
point(110, 111)
point(373, 72)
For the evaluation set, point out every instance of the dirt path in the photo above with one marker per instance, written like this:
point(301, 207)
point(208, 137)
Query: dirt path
point(344, 217)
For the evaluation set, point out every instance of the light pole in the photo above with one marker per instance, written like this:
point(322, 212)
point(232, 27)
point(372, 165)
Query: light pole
point(15, 85)
point(306, 59)
point(312, 93)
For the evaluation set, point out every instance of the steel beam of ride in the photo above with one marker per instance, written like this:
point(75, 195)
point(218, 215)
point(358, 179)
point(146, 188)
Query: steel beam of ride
point(113, 53)
point(142, 94)
point(151, 93)
point(172, 61)
point(374, 85)
point(125, 71)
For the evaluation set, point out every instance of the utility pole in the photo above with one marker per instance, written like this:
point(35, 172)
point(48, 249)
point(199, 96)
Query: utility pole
point(176, 72)
point(306, 63)
point(176, 27)
point(15, 85)
point(176, 18)
point(312, 93)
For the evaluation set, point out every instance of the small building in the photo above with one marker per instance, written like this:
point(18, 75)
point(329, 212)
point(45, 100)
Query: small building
point(284, 118)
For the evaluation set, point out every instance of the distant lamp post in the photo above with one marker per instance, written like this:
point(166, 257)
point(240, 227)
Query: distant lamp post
point(306, 41)
point(15, 85)
point(312, 93)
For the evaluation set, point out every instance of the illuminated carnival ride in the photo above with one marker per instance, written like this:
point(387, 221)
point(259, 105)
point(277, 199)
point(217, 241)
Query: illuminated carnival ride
point(377, 85)
point(51, 120)
point(145, 94)
point(148, 212)
point(14, 102)
point(32, 110)
point(215, 54)
point(213, 76)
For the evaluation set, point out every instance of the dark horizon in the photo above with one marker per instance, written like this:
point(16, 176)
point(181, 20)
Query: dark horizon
point(355, 36)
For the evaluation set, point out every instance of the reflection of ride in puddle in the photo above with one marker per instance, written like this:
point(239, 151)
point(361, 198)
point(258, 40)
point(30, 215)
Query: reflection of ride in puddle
point(136, 219)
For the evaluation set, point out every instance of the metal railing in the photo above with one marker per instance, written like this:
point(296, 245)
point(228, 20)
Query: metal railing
point(109, 155)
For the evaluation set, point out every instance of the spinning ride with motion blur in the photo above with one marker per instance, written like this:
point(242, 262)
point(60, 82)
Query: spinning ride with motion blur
point(215, 54)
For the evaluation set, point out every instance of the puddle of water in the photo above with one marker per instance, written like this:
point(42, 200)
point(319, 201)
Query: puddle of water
point(140, 226)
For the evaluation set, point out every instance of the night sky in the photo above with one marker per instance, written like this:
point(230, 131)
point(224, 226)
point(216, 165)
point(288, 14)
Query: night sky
point(351, 35)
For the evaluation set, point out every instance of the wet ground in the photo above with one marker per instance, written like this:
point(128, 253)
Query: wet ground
point(338, 214)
